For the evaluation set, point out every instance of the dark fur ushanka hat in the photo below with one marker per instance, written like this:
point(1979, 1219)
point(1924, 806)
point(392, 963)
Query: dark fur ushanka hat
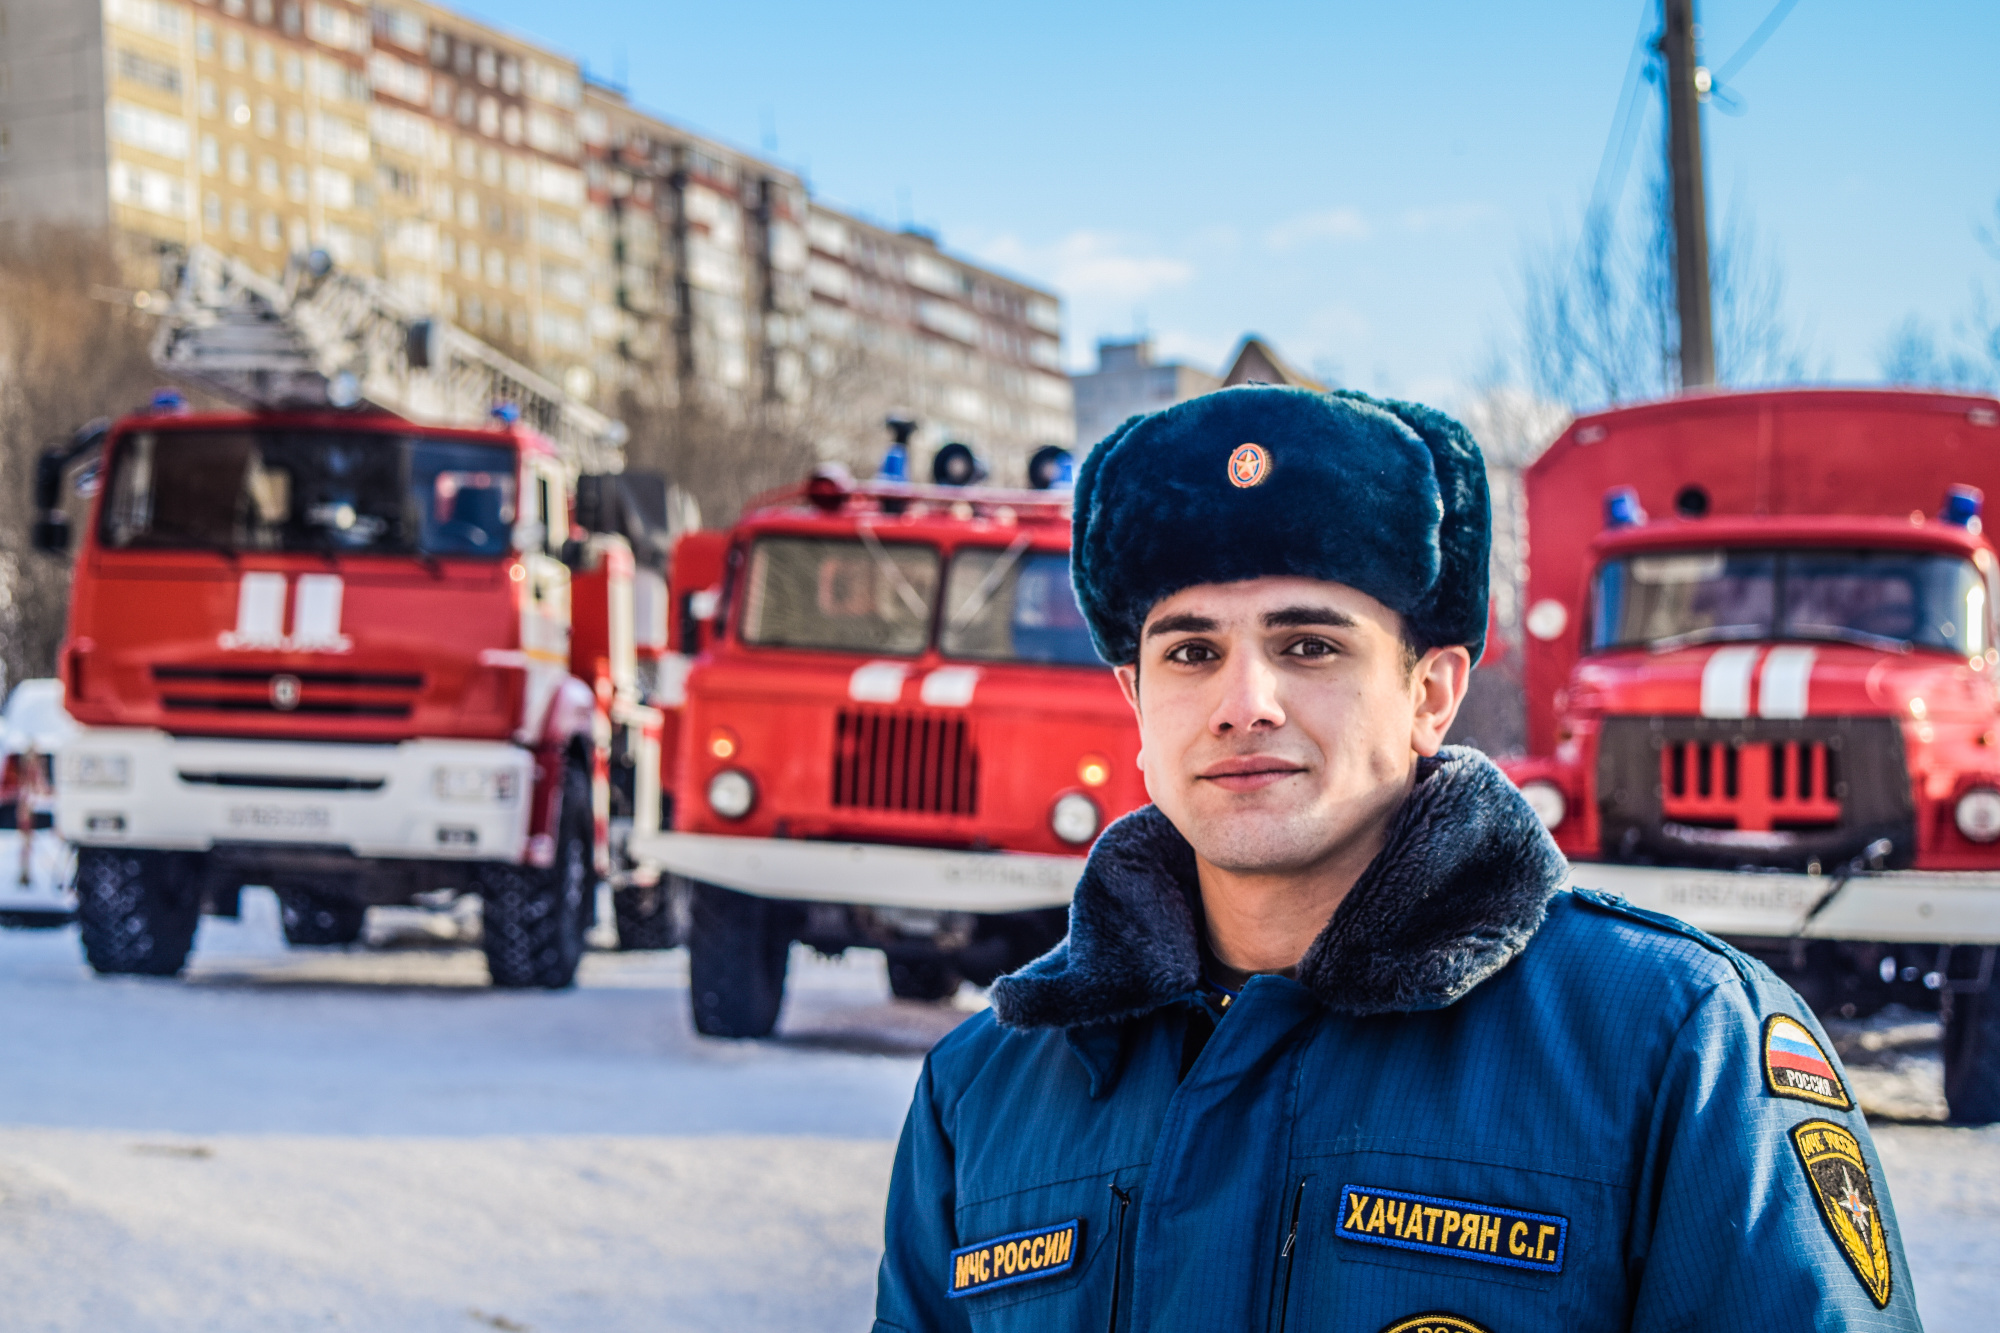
point(1388, 498)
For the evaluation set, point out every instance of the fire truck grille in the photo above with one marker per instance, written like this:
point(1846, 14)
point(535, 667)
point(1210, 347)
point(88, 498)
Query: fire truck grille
point(1757, 786)
point(914, 763)
point(241, 690)
point(1781, 793)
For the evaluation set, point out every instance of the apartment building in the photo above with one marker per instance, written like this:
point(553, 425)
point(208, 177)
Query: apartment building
point(973, 355)
point(703, 262)
point(1128, 380)
point(489, 181)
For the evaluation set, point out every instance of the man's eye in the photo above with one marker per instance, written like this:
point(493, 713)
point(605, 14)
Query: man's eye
point(1188, 654)
point(1312, 648)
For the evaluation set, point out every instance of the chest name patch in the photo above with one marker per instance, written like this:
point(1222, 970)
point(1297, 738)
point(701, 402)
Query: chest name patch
point(1453, 1227)
point(1435, 1322)
point(1020, 1257)
point(1838, 1174)
point(1795, 1066)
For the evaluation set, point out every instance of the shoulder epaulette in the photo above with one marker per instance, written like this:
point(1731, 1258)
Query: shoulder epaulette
point(1746, 967)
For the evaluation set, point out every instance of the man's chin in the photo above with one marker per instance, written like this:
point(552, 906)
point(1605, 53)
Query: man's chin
point(1260, 842)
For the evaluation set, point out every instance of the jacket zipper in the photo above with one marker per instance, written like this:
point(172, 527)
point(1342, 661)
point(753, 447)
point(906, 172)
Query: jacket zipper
point(1124, 1198)
point(1288, 1255)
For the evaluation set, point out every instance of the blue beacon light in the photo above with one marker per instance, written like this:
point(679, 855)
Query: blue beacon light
point(1962, 505)
point(1622, 508)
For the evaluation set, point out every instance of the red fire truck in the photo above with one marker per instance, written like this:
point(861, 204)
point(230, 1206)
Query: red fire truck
point(360, 660)
point(1761, 679)
point(895, 735)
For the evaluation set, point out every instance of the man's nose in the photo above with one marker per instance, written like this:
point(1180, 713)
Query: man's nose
point(1249, 695)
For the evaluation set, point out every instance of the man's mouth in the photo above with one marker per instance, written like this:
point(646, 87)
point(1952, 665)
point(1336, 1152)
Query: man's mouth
point(1250, 772)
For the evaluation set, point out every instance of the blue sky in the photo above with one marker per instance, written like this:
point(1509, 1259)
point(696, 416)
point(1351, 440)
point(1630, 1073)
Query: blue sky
point(1357, 181)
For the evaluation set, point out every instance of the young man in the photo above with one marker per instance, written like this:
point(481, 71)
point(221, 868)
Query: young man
point(1328, 1047)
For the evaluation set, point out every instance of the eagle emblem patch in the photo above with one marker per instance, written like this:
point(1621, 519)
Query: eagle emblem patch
point(1435, 1322)
point(1795, 1066)
point(1839, 1177)
point(1249, 465)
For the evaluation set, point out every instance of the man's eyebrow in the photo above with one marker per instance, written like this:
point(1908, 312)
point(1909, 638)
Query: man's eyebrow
point(1185, 623)
point(1296, 617)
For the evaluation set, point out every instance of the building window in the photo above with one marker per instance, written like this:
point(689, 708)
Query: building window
point(295, 128)
point(295, 71)
point(270, 233)
point(211, 211)
point(261, 11)
point(206, 97)
point(232, 50)
point(299, 235)
point(211, 155)
point(239, 166)
point(488, 69)
point(468, 260)
point(267, 117)
point(204, 39)
point(264, 61)
point(267, 175)
point(295, 183)
point(156, 74)
point(496, 269)
point(239, 108)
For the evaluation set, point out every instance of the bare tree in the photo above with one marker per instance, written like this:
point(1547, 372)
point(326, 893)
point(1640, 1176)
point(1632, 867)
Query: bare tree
point(1967, 355)
point(1599, 323)
point(72, 347)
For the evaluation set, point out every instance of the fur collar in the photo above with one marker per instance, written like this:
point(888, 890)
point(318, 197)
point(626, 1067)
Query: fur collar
point(1461, 884)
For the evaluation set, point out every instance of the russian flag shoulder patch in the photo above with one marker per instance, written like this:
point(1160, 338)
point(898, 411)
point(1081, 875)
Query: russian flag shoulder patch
point(1796, 1066)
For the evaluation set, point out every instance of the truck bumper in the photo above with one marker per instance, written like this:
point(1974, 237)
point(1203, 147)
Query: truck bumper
point(1890, 907)
point(130, 787)
point(867, 874)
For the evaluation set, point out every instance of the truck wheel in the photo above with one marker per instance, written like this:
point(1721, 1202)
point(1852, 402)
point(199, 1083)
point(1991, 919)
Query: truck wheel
point(736, 963)
point(1972, 1058)
point(136, 911)
point(311, 918)
point(922, 979)
point(644, 918)
point(535, 919)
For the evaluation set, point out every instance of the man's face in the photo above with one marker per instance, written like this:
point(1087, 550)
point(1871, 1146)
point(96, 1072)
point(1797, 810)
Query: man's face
point(1280, 721)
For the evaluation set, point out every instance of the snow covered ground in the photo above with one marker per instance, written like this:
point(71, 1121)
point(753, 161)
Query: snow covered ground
point(375, 1140)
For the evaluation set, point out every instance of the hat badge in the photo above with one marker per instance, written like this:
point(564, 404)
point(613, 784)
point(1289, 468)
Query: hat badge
point(1249, 465)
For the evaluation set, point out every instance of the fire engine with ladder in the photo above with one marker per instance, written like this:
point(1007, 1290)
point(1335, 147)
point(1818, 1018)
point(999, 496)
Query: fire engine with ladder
point(381, 636)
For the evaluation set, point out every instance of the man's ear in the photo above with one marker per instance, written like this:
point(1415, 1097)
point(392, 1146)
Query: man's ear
point(1439, 684)
point(1128, 684)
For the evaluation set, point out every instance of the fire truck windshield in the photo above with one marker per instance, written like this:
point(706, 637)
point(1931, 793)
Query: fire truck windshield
point(345, 492)
point(864, 596)
point(1881, 599)
point(1008, 604)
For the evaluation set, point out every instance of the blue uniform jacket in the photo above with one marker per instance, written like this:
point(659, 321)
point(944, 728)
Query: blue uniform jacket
point(1485, 1105)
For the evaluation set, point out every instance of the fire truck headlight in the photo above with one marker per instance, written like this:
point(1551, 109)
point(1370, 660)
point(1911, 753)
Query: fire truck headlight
point(1074, 818)
point(1546, 800)
point(1978, 814)
point(101, 772)
point(474, 783)
point(731, 793)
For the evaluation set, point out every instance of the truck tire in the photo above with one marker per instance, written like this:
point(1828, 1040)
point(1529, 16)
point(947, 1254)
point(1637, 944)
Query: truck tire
point(645, 918)
point(1972, 1058)
point(535, 920)
point(922, 979)
point(312, 918)
point(737, 951)
point(136, 911)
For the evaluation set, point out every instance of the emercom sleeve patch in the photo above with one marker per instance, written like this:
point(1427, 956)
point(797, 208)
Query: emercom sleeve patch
point(1795, 1065)
point(1020, 1257)
point(1454, 1227)
point(1838, 1174)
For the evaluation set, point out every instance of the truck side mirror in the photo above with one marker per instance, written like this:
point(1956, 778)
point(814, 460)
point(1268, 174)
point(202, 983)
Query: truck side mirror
point(51, 533)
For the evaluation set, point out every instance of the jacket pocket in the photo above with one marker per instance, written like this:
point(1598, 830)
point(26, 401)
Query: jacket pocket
point(1385, 1236)
point(1081, 1292)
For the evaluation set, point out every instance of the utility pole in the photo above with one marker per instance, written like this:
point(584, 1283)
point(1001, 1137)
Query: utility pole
point(1690, 203)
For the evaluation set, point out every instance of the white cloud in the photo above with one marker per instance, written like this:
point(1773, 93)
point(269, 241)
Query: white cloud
point(1334, 224)
point(1092, 264)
